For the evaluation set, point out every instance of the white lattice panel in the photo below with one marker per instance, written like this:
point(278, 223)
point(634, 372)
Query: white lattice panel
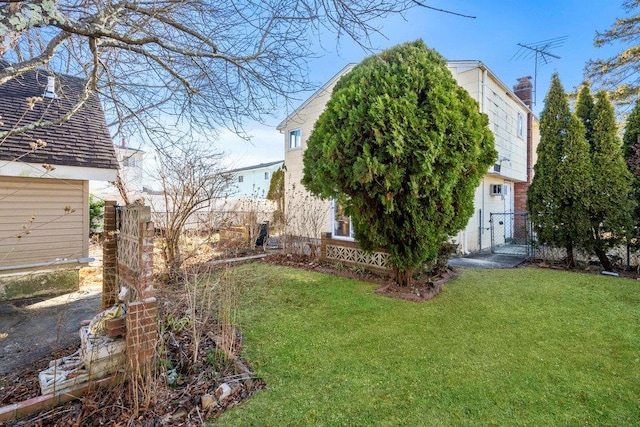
point(358, 256)
point(129, 238)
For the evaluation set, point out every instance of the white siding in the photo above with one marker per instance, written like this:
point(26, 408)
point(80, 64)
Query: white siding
point(494, 99)
point(502, 108)
point(305, 215)
point(255, 182)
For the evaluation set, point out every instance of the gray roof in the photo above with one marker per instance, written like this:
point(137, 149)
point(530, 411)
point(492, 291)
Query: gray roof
point(260, 166)
point(83, 141)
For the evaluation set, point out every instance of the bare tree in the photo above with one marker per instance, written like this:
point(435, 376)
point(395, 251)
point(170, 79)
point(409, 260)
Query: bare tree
point(210, 63)
point(191, 179)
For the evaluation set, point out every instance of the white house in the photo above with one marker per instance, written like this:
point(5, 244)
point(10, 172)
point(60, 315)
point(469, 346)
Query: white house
point(253, 181)
point(502, 190)
point(131, 162)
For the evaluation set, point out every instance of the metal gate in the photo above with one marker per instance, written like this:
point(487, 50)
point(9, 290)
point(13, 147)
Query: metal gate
point(511, 234)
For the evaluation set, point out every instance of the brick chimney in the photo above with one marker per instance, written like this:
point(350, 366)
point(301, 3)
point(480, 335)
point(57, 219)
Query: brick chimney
point(524, 90)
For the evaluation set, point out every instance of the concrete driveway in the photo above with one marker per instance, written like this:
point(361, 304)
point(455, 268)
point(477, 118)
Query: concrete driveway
point(35, 328)
point(487, 260)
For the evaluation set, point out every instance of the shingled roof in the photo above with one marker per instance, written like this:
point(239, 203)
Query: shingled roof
point(83, 141)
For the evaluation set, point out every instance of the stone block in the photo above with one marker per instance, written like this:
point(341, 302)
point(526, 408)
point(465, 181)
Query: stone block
point(55, 379)
point(96, 348)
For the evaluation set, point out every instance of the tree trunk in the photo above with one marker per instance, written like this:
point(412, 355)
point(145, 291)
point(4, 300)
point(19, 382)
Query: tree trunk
point(604, 259)
point(571, 261)
point(403, 278)
point(172, 256)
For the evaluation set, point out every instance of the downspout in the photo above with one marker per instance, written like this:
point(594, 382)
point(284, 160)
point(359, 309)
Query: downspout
point(483, 95)
point(465, 248)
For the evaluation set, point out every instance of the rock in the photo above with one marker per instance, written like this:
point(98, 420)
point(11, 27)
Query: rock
point(207, 401)
point(222, 392)
point(178, 415)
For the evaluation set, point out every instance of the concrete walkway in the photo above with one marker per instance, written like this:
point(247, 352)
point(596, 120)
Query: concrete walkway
point(487, 260)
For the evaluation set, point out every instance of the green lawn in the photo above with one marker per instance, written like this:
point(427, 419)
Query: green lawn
point(497, 347)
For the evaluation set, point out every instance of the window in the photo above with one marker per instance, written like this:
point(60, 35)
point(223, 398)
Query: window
point(241, 178)
point(266, 175)
point(129, 161)
point(342, 227)
point(294, 138)
point(520, 125)
point(499, 189)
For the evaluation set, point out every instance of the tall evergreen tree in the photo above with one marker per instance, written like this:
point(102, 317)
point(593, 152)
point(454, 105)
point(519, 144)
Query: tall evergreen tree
point(609, 203)
point(584, 110)
point(631, 149)
point(276, 193)
point(631, 131)
point(558, 193)
point(402, 147)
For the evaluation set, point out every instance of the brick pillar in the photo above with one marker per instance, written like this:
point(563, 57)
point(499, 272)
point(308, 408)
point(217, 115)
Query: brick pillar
point(142, 333)
point(109, 256)
point(324, 237)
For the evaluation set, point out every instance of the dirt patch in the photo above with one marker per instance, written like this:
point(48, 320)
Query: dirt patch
point(182, 387)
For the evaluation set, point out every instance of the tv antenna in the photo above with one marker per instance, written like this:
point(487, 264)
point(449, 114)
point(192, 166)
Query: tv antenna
point(540, 51)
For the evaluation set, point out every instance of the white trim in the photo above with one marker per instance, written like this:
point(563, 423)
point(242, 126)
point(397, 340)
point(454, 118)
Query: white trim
point(471, 64)
point(351, 236)
point(324, 87)
point(297, 132)
point(33, 170)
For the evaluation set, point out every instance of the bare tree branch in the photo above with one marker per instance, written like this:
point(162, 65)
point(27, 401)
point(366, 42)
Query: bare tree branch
point(209, 63)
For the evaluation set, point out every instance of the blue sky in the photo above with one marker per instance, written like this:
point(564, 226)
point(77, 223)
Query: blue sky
point(491, 37)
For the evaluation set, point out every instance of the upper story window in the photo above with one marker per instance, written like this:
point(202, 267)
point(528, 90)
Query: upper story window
point(294, 138)
point(129, 161)
point(241, 178)
point(520, 125)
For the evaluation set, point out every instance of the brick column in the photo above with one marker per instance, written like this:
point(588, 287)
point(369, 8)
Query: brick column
point(109, 256)
point(142, 334)
point(324, 237)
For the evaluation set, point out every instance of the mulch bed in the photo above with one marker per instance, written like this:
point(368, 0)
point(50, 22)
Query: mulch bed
point(178, 404)
point(423, 288)
point(593, 268)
